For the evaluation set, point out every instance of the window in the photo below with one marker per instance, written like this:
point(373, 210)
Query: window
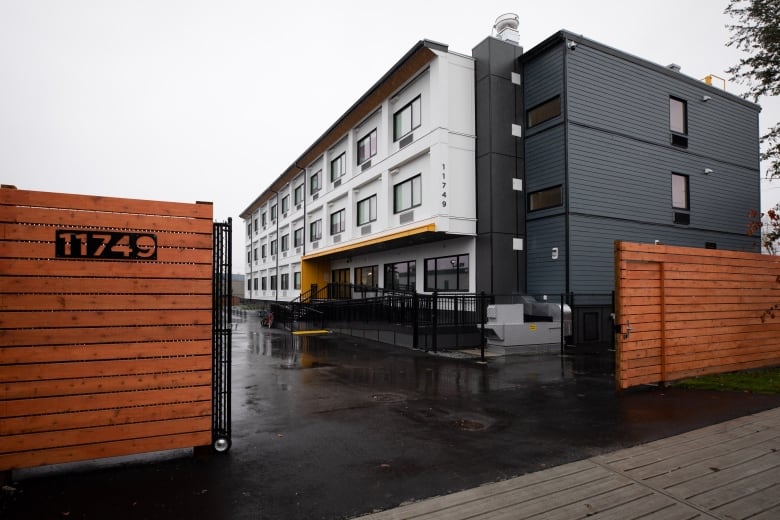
point(273, 247)
point(255, 254)
point(298, 237)
point(447, 273)
point(297, 280)
point(367, 276)
point(256, 226)
point(263, 219)
point(315, 230)
point(249, 257)
point(678, 116)
point(366, 147)
point(285, 281)
point(248, 284)
point(273, 282)
point(544, 112)
point(407, 194)
point(315, 183)
point(680, 195)
point(406, 119)
point(285, 204)
point(366, 210)
point(263, 251)
point(285, 242)
point(338, 167)
point(337, 222)
point(273, 212)
point(255, 283)
point(401, 276)
point(264, 282)
point(543, 199)
point(249, 228)
point(298, 195)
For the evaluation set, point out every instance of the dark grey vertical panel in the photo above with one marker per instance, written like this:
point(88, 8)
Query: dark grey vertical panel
point(546, 275)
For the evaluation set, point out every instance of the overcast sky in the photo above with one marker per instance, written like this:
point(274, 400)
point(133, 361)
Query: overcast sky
point(188, 100)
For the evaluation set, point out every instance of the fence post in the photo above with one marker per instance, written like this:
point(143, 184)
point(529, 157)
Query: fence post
point(415, 320)
point(482, 321)
point(434, 320)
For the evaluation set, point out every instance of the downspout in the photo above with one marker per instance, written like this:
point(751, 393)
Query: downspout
point(566, 190)
point(278, 278)
point(303, 246)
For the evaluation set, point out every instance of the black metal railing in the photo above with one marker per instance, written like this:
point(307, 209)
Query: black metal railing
point(222, 296)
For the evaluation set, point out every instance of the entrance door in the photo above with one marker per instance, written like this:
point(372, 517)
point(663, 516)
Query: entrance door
point(339, 283)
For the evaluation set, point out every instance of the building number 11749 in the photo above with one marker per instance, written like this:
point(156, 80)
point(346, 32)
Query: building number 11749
point(105, 245)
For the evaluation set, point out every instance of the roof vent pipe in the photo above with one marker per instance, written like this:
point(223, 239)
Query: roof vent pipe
point(506, 28)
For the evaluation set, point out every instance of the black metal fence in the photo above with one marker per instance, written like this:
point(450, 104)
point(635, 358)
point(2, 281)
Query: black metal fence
point(222, 295)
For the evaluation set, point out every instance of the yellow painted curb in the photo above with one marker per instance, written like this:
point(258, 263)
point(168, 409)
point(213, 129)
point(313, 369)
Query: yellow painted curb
point(310, 332)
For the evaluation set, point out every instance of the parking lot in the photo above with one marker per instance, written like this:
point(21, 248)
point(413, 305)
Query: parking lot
point(334, 427)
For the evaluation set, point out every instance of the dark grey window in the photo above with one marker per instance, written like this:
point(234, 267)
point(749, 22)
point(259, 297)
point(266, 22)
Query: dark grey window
point(264, 219)
point(367, 147)
point(263, 251)
point(274, 212)
point(297, 280)
point(285, 204)
point(249, 228)
point(544, 112)
point(407, 119)
point(678, 116)
point(298, 237)
point(273, 282)
point(447, 273)
point(285, 242)
point(264, 282)
point(401, 276)
point(255, 284)
point(298, 194)
point(543, 199)
point(367, 276)
point(285, 281)
point(273, 247)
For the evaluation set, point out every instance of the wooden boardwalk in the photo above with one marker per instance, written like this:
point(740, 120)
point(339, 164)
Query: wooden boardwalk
point(729, 470)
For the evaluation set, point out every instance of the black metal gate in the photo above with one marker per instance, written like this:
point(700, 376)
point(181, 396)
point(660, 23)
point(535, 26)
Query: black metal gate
point(222, 293)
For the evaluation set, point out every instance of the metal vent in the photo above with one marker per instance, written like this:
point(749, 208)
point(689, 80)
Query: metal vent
point(314, 197)
point(298, 206)
point(337, 183)
point(407, 217)
point(406, 140)
point(337, 239)
point(365, 230)
point(682, 218)
point(679, 140)
point(315, 245)
point(365, 166)
point(284, 255)
point(297, 250)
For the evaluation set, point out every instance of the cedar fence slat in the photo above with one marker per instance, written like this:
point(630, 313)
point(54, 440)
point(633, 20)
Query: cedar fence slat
point(96, 318)
point(35, 251)
point(103, 286)
point(95, 302)
point(46, 233)
point(100, 351)
point(107, 269)
point(86, 336)
point(87, 369)
point(107, 417)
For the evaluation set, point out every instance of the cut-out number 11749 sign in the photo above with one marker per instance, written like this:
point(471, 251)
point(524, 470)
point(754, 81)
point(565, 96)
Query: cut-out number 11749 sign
point(105, 245)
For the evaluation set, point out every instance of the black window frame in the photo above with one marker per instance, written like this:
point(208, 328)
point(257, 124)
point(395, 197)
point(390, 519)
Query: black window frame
point(342, 162)
point(285, 204)
point(296, 280)
point(285, 242)
point(298, 194)
point(284, 282)
point(684, 115)
point(372, 139)
point(414, 124)
point(372, 201)
point(264, 283)
point(687, 188)
point(315, 182)
point(273, 282)
point(367, 271)
point(263, 251)
point(458, 273)
point(390, 271)
point(399, 185)
point(298, 237)
point(274, 212)
point(315, 230)
point(264, 218)
point(274, 247)
point(341, 223)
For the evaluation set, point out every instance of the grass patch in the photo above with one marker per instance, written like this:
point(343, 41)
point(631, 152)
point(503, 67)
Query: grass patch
point(763, 381)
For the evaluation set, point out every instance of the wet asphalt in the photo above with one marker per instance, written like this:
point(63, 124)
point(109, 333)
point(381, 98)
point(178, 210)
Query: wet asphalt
point(332, 427)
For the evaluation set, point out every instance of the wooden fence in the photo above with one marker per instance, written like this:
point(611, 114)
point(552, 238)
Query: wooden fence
point(685, 312)
point(105, 327)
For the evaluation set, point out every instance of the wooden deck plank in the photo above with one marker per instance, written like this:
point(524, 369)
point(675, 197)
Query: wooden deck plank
point(753, 494)
point(601, 504)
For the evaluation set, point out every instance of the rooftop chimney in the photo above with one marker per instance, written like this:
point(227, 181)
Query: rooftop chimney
point(506, 28)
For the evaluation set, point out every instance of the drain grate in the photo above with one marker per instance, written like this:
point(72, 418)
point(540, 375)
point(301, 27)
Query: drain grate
point(387, 398)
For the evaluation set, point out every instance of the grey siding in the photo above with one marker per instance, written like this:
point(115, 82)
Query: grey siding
point(622, 96)
point(592, 246)
point(545, 275)
point(545, 159)
point(616, 176)
point(543, 77)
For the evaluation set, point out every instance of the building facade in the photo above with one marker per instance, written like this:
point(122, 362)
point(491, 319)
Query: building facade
point(507, 172)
